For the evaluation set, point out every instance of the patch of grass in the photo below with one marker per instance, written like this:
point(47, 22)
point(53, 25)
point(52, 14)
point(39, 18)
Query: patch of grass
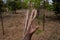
point(38, 31)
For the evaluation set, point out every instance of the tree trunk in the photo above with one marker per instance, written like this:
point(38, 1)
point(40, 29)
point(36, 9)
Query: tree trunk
point(2, 23)
point(43, 22)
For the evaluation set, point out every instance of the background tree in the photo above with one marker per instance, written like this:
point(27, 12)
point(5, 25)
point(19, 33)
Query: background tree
point(13, 5)
point(56, 5)
point(1, 11)
point(37, 5)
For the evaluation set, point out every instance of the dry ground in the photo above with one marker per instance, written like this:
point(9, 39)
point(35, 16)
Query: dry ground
point(14, 27)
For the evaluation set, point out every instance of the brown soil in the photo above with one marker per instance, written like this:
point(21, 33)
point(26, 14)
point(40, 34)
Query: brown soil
point(14, 27)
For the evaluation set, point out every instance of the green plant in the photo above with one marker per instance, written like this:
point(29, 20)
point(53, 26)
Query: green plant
point(38, 31)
